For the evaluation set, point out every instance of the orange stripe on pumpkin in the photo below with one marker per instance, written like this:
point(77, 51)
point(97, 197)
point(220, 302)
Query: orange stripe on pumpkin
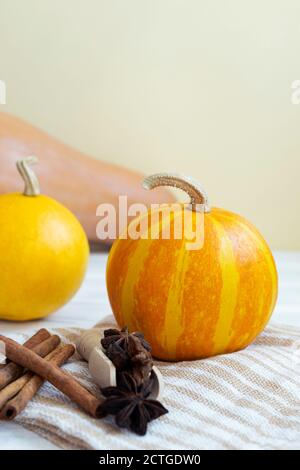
point(201, 298)
point(120, 257)
point(173, 326)
point(258, 280)
point(135, 265)
point(152, 287)
point(229, 290)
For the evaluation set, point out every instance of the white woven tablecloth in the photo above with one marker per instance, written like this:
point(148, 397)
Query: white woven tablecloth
point(269, 420)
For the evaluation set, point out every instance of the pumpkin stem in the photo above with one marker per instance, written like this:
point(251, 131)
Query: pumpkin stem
point(32, 187)
point(191, 187)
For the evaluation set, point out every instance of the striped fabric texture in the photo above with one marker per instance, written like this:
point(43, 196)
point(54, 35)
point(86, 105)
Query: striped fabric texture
point(244, 400)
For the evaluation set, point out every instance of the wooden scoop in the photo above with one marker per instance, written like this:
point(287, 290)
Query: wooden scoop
point(101, 367)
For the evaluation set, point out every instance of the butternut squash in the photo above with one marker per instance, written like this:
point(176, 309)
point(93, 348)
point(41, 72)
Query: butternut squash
point(78, 181)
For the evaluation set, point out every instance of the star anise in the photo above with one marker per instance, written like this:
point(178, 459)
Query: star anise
point(112, 335)
point(128, 352)
point(131, 405)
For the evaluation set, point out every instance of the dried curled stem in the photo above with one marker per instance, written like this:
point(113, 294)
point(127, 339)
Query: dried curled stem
point(32, 187)
point(191, 187)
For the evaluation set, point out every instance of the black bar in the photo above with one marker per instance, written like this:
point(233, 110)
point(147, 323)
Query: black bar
point(139, 458)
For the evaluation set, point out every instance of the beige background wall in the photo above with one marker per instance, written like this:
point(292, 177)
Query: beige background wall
point(201, 87)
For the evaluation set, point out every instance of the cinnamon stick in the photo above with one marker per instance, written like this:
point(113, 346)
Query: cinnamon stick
point(40, 336)
point(5, 371)
point(34, 382)
point(14, 388)
point(12, 371)
point(61, 380)
point(36, 339)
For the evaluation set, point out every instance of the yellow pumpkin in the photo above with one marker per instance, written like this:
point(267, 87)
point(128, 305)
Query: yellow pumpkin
point(43, 252)
point(192, 303)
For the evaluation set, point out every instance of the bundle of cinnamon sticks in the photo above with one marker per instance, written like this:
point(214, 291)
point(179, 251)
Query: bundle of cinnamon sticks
point(39, 359)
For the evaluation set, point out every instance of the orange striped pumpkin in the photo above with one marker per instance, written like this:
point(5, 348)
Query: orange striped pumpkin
point(193, 303)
